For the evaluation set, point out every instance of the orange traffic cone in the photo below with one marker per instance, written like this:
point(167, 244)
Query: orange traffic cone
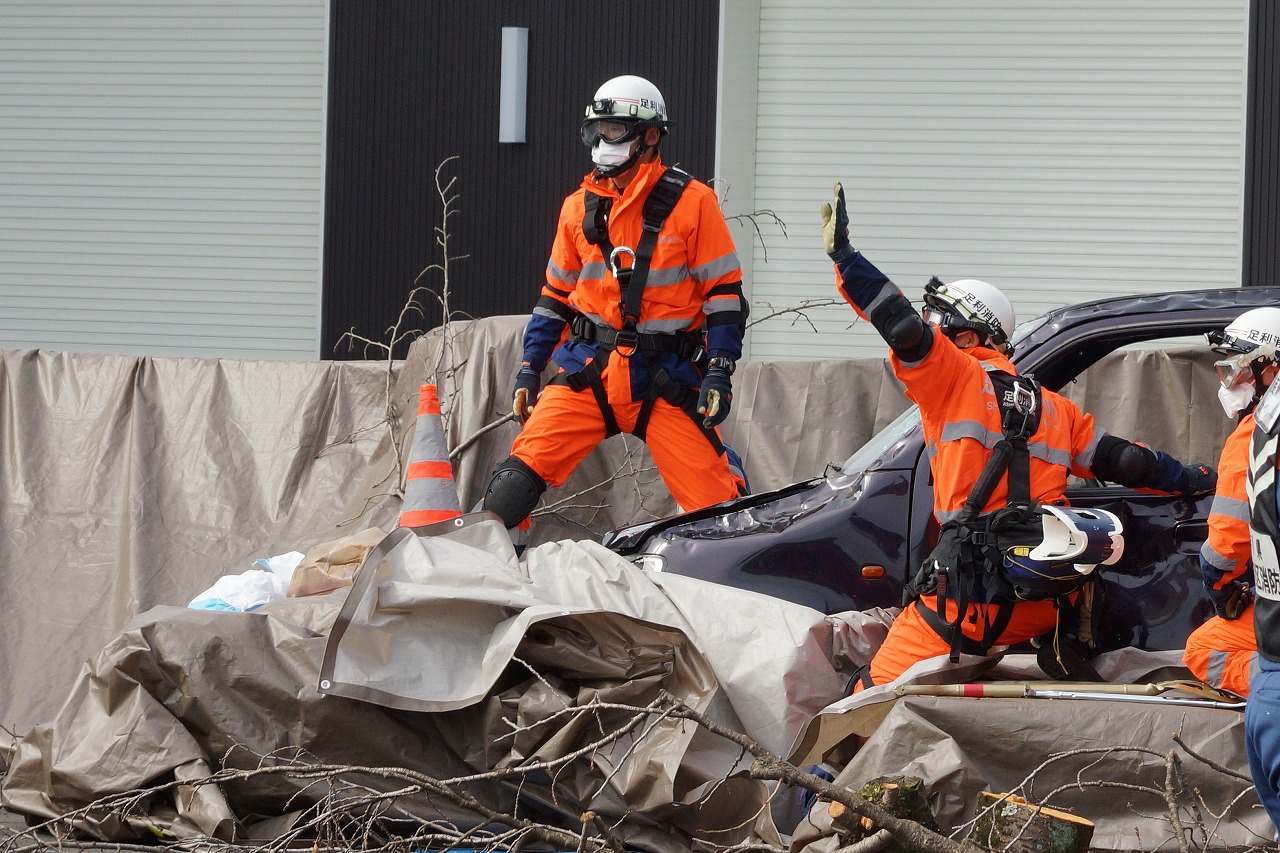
point(429, 491)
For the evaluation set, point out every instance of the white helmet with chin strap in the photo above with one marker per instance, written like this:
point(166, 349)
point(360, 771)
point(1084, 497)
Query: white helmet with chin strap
point(969, 304)
point(1248, 345)
point(618, 116)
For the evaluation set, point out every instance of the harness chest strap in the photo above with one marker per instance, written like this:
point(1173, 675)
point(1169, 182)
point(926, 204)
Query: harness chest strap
point(1019, 400)
point(658, 206)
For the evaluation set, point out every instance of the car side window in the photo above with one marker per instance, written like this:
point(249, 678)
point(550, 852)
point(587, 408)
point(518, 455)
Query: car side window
point(1161, 393)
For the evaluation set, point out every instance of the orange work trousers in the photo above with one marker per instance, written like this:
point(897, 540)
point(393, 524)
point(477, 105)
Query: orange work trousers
point(566, 425)
point(910, 639)
point(1224, 652)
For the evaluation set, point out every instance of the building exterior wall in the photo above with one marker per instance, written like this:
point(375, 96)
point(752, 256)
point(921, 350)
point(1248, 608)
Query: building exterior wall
point(1262, 152)
point(1061, 152)
point(417, 83)
point(171, 176)
point(161, 176)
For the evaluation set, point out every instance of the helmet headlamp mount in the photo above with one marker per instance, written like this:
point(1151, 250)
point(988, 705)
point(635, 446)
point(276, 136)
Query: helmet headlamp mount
point(968, 304)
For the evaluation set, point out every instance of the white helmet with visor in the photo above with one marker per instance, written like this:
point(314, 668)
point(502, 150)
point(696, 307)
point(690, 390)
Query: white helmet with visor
point(1248, 345)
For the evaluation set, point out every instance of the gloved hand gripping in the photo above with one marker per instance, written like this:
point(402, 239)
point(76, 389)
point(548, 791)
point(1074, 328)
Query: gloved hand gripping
point(528, 384)
point(715, 396)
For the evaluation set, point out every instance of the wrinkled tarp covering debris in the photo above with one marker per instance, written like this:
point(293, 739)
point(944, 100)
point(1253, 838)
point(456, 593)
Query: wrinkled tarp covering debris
point(130, 483)
point(962, 746)
point(449, 637)
point(434, 625)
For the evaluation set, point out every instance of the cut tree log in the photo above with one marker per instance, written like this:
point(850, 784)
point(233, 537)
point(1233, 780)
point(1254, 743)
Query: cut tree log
point(1010, 824)
point(901, 796)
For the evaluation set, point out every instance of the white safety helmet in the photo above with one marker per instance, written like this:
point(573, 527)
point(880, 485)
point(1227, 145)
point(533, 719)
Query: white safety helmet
point(1253, 336)
point(969, 304)
point(1248, 345)
point(621, 111)
point(1073, 542)
point(1084, 537)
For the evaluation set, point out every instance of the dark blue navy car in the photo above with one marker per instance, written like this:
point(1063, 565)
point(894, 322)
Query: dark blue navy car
point(848, 540)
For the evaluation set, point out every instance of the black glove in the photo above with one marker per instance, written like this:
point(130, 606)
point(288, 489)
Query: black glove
point(715, 395)
point(1230, 601)
point(1195, 480)
point(835, 227)
point(528, 384)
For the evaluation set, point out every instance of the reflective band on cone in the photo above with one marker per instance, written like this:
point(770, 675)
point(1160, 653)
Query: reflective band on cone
point(430, 494)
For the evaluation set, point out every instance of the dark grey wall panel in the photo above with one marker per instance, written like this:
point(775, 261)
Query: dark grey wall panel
point(412, 83)
point(1261, 266)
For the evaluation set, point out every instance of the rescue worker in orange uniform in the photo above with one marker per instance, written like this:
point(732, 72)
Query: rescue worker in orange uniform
point(1223, 652)
point(949, 360)
point(643, 313)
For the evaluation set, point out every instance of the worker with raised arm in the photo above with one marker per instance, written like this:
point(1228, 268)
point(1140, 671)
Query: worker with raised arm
point(1012, 557)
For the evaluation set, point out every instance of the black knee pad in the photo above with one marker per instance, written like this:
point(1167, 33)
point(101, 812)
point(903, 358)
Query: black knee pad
point(513, 491)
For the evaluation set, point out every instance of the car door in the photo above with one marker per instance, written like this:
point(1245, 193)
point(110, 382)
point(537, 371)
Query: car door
point(1162, 393)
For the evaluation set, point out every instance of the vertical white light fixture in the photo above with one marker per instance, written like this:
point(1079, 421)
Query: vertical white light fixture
point(515, 84)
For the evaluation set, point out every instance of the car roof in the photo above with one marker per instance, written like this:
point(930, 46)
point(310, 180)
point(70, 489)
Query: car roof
point(1060, 344)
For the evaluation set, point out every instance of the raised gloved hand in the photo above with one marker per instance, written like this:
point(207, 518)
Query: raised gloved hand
point(1196, 479)
point(528, 384)
point(716, 393)
point(835, 226)
point(1230, 601)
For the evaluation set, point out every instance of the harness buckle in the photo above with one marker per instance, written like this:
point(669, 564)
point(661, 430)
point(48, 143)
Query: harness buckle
point(628, 338)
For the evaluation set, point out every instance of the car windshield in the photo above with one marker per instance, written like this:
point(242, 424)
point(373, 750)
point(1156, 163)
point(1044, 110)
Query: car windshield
point(880, 443)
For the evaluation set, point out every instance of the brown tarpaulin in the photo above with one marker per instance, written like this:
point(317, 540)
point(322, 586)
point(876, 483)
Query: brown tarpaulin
point(134, 483)
point(452, 628)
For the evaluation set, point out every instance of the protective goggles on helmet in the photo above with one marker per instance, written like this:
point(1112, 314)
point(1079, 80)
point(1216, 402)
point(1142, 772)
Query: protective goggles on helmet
point(1240, 357)
point(1234, 370)
point(611, 130)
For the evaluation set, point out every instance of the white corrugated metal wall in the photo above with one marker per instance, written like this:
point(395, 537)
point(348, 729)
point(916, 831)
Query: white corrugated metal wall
point(161, 176)
point(1062, 151)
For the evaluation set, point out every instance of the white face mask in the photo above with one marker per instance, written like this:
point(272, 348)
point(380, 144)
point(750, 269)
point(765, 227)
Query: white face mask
point(1236, 398)
point(610, 153)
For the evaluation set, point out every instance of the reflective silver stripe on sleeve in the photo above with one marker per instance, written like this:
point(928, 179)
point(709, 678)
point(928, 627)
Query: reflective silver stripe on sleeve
point(721, 266)
point(593, 269)
point(1084, 458)
point(567, 277)
point(547, 312)
point(1230, 508)
point(721, 305)
point(1219, 561)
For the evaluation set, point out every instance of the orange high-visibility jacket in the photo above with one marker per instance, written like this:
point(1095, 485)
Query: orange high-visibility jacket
point(694, 278)
point(961, 419)
point(1224, 557)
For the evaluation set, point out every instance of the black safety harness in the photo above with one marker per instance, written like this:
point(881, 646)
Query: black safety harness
point(627, 341)
point(968, 561)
